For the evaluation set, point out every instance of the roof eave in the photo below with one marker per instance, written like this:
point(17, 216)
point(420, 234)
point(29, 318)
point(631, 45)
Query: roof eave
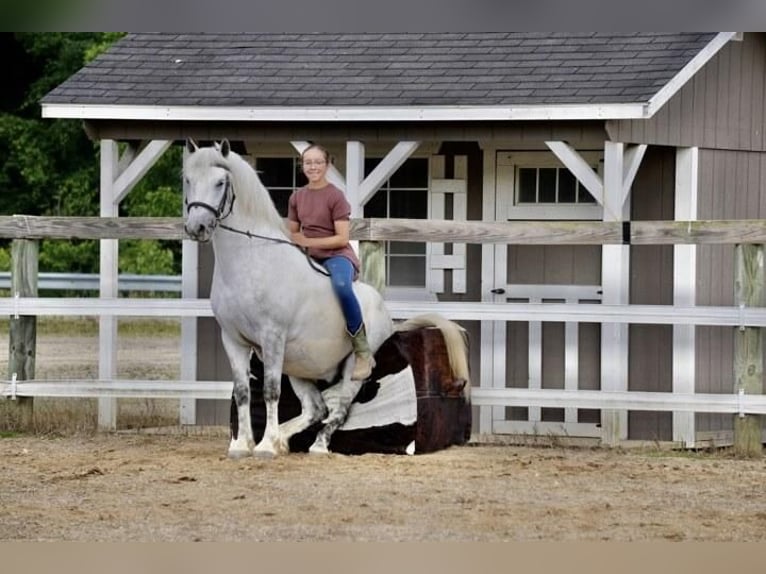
point(345, 113)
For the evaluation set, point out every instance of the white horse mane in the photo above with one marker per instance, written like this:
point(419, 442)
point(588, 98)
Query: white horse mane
point(253, 201)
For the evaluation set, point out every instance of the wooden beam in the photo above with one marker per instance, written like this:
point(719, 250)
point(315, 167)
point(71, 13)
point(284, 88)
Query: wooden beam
point(187, 407)
point(575, 163)
point(108, 279)
point(632, 160)
point(106, 227)
point(385, 169)
point(615, 286)
point(23, 328)
point(355, 176)
point(701, 232)
point(138, 167)
point(685, 293)
point(372, 255)
point(748, 346)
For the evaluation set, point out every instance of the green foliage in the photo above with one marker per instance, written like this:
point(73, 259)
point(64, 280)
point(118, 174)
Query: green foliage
point(145, 257)
point(76, 256)
point(102, 45)
point(5, 259)
point(50, 167)
point(46, 166)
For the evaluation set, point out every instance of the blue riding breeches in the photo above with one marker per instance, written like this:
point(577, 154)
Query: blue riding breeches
point(342, 277)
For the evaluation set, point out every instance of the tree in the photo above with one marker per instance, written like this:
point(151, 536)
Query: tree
point(50, 167)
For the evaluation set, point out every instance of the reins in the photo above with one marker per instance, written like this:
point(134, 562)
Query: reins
point(250, 235)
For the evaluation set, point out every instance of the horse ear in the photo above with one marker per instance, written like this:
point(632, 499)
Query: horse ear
point(191, 145)
point(225, 147)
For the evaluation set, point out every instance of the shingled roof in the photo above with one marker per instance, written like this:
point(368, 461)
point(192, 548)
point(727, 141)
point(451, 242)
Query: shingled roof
point(260, 71)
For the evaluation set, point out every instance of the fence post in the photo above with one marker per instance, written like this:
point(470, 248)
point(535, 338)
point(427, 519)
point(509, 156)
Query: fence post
point(373, 258)
point(748, 348)
point(23, 329)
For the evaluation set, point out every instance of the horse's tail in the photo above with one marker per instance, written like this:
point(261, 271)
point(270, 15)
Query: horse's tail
point(455, 339)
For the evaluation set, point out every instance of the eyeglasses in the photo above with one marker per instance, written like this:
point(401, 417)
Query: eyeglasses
point(309, 163)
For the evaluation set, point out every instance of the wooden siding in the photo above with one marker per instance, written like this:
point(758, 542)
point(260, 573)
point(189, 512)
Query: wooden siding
point(721, 107)
point(651, 283)
point(553, 265)
point(732, 185)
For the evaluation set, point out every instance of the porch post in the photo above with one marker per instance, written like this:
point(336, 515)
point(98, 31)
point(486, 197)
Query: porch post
point(748, 346)
point(108, 275)
point(684, 292)
point(119, 175)
point(189, 290)
point(493, 343)
point(615, 274)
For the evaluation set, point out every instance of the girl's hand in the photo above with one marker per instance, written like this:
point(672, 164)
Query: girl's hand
point(300, 239)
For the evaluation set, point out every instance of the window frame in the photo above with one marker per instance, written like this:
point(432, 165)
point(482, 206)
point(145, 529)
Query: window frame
point(507, 166)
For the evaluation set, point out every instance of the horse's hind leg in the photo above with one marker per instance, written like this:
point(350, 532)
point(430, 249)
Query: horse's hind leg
point(239, 358)
point(338, 399)
point(313, 408)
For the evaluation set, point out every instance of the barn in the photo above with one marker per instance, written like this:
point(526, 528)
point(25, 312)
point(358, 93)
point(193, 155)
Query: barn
point(490, 127)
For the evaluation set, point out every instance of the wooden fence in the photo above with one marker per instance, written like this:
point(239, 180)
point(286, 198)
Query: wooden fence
point(747, 235)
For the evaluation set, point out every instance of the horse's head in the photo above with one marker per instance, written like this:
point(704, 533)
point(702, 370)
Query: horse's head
point(208, 196)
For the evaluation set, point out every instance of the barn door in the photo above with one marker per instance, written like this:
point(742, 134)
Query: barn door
point(540, 355)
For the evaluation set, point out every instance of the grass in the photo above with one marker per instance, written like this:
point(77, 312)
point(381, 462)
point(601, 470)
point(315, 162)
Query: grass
point(66, 417)
point(78, 417)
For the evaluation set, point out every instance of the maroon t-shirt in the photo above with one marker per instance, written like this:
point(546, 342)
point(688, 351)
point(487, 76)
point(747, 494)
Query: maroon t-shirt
point(317, 210)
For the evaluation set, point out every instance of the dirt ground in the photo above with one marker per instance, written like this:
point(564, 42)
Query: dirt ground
point(180, 486)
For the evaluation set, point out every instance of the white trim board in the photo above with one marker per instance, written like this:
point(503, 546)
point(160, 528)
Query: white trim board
point(347, 113)
point(687, 72)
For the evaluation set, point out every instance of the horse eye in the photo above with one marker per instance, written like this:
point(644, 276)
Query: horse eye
point(220, 183)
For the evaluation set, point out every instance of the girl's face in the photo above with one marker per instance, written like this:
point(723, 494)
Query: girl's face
point(315, 165)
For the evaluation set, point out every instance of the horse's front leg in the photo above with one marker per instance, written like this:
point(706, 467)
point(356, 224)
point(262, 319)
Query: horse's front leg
point(273, 442)
point(239, 359)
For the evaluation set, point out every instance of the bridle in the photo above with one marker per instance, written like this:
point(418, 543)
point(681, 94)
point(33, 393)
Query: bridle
point(219, 214)
point(218, 211)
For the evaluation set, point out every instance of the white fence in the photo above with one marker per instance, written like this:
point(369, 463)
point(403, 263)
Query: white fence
point(420, 230)
point(553, 312)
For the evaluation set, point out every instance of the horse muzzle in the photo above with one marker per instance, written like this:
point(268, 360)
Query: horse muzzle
point(198, 230)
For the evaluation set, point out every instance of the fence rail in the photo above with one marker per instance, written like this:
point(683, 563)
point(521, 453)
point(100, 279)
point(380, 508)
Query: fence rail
point(740, 404)
point(51, 281)
point(436, 230)
point(458, 311)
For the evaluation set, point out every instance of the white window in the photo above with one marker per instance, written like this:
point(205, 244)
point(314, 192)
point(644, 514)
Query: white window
point(536, 185)
point(404, 195)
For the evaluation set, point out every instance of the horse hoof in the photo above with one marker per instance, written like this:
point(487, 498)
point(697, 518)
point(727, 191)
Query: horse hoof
point(316, 450)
